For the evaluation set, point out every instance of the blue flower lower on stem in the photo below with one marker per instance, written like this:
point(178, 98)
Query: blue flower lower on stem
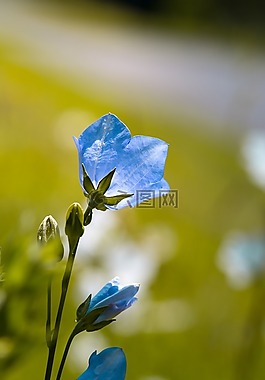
point(98, 311)
point(115, 297)
point(109, 364)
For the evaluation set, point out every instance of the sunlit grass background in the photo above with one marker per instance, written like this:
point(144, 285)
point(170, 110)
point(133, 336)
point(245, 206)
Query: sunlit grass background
point(189, 322)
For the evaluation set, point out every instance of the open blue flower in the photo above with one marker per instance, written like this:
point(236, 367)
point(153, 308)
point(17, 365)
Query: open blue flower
point(133, 164)
point(98, 311)
point(109, 364)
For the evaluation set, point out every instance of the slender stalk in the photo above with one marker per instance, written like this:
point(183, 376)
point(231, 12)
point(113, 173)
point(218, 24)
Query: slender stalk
point(66, 350)
point(49, 302)
point(54, 337)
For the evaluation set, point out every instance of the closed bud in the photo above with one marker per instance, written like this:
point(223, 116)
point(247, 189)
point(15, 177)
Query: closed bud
point(74, 226)
point(48, 229)
point(49, 237)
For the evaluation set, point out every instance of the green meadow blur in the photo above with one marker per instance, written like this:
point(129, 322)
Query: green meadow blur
point(202, 328)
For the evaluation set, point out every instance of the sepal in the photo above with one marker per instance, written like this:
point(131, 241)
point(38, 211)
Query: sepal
point(82, 309)
point(100, 325)
point(88, 321)
point(96, 198)
point(87, 183)
point(104, 184)
point(113, 201)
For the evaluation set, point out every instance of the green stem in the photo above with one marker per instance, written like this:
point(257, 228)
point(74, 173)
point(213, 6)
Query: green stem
point(48, 322)
point(54, 338)
point(66, 350)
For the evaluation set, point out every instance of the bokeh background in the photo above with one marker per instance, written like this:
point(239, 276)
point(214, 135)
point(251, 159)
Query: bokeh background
point(191, 73)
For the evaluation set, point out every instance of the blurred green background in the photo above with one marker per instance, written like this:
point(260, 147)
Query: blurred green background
point(192, 74)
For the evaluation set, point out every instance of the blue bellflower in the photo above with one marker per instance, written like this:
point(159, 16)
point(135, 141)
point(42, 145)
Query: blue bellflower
point(115, 297)
point(99, 311)
point(109, 364)
point(117, 165)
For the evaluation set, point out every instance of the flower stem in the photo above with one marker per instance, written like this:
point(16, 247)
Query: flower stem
point(49, 301)
point(55, 333)
point(66, 350)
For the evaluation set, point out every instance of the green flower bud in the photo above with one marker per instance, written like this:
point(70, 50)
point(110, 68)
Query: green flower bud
point(49, 237)
point(74, 226)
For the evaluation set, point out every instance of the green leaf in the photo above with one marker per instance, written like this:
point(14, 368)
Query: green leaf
point(87, 183)
point(113, 201)
point(104, 184)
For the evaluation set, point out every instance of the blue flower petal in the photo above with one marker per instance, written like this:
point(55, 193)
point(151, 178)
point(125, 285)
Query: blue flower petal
point(124, 294)
point(114, 296)
point(154, 190)
point(115, 309)
point(100, 145)
point(109, 364)
point(107, 290)
point(140, 165)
